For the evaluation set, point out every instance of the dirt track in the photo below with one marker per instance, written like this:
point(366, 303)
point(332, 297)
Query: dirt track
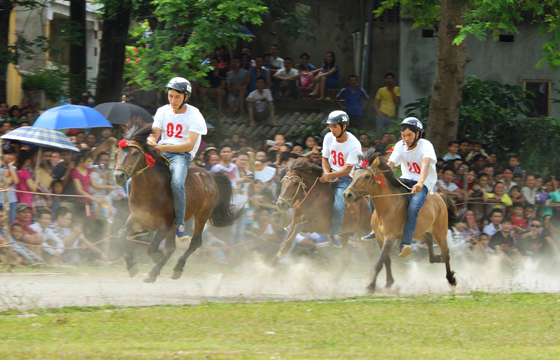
point(255, 282)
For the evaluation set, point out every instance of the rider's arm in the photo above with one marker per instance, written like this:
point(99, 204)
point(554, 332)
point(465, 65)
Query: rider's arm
point(326, 165)
point(183, 147)
point(391, 165)
point(345, 171)
point(152, 139)
point(424, 169)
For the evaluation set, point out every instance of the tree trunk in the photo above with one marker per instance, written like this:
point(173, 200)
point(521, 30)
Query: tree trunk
point(111, 60)
point(5, 11)
point(445, 103)
point(78, 50)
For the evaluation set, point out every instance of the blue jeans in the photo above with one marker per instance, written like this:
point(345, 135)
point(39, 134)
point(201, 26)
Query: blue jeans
point(179, 167)
point(415, 203)
point(383, 122)
point(338, 207)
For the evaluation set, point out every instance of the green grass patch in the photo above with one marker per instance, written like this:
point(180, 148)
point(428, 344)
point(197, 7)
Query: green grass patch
point(476, 326)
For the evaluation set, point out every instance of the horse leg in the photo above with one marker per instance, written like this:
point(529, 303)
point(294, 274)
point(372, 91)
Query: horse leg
point(127, 248)
point(196, 242)
point(163, 257)
point(153, 250)
point(441, 239)
point(345, 257)
point(390, 280)
point(387, 244)
point(429, 240)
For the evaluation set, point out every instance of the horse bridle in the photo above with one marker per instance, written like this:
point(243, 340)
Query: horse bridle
point(373, 178)
point(301, 185)
point(128, 169)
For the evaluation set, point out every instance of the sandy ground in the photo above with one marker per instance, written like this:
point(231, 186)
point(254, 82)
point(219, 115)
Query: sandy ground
point(255, 281)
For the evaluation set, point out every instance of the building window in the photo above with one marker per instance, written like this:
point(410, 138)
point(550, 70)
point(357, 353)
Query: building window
point(540, 97)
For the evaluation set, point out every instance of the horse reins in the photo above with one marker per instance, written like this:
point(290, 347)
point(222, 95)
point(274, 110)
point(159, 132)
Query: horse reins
point(128, 169)
point(374, 178)
point(301, 185)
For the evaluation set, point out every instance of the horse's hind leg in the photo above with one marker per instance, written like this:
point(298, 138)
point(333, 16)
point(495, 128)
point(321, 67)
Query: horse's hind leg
point(159, 257)
point(196, 242)
point(127, 248)
point(153, 250)
point(429, 240)
point(441, 240)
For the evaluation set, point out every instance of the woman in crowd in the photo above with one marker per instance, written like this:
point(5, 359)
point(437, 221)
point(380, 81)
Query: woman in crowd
point(10, 176)
point(29, 182)
point(82, 180)
point(498, 196)
point(327, 77)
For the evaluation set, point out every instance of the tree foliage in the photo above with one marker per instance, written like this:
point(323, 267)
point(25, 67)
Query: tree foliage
point(187, 29)
point(495, 17)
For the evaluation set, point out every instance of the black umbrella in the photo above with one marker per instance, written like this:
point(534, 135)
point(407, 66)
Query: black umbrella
point(121, 113)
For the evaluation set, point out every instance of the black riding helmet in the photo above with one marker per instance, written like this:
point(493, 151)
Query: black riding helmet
point(341, 118)
point(414, 125)
point(182, 86)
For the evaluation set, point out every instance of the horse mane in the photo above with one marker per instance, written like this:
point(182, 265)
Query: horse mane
point(139, 131)
point(305, 165)
point(372, 157)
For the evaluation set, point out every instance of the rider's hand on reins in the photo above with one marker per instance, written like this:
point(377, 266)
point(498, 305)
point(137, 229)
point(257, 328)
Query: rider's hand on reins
point(416, 188)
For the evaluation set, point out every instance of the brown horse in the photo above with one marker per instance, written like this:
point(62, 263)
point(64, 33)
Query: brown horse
point(151, 200)
point(313, 206)
point(390, 198)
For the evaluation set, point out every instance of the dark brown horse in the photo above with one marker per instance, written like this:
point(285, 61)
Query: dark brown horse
point(313, 206)
point(390, 198)
point(151, 200)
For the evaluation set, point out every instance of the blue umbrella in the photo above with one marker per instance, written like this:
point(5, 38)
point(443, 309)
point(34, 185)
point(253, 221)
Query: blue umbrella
point(71, 117)
point(37, 136)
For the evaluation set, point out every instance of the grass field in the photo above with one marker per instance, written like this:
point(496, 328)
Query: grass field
point(474, 326)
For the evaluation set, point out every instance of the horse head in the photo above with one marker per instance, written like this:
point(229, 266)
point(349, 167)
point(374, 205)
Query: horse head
point(367, 175)
point(300, 175)
point(134, 154)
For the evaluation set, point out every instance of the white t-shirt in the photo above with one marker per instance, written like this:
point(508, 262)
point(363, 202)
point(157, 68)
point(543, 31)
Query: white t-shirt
point(283, 73)
point(277, 62)
point(450, 187)
point(491, 230)
point(260, 105)
point(240, 197)
point(411, 161)
point(231, 171)
point(175, 127)
point(341, 154)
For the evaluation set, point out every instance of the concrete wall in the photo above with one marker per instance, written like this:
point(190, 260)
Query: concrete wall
point(505, 62)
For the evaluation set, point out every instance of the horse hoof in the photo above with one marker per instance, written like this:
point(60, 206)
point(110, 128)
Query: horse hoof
point(280, 255)
point(133, 271)
point(150, 279)
point(176, 275)
point(389, 285)
point(370, 290)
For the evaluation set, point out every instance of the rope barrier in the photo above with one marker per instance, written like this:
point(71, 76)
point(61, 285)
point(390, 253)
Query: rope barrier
point(44, 194)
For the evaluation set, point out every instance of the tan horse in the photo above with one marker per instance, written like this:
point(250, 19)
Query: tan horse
point(438, 213)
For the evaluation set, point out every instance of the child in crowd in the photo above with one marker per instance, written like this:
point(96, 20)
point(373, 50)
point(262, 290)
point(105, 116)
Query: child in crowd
point(29, 257)
point(453, 147)
point(477, 149)
point(519, 223)
point(56, 188)
point(306, 81)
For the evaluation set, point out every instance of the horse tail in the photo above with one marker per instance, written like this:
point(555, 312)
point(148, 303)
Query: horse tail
point(224, 214)
point(451, 210)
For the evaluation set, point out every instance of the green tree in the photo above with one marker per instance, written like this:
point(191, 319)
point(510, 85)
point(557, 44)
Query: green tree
point(187, 29)
point(459, 18)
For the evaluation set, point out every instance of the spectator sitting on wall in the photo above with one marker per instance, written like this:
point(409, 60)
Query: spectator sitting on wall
point(356, 100)
point(287, 76)
point(453, 148)
point(386, 101)
point(216, 79)
point(327, 77)
point(260, 103)
point(304, 61)
point(258, 71)
point(275, 58)
point(306, 81)
point(236, 86)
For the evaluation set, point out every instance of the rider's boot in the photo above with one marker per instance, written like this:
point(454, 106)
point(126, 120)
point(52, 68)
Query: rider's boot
point(368, 237)
point(335, 241)
point(181, 233)
point(405, 250)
